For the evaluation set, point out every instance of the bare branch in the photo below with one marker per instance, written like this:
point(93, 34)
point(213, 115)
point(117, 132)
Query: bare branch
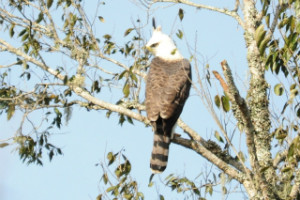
point(236, 5)
point(190, 3)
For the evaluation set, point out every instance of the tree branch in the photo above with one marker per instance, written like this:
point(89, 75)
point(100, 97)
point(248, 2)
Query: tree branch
point(190, 3)
point(242, 113)
point(239, 176)
point(240, 110)
point(115, 108)
point(258, 103)
point(13, 50)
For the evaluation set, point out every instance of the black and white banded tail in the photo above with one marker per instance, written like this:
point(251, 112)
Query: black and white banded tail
point(160, 153)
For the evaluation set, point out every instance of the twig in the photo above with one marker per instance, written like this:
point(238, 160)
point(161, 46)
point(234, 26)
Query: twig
point(10, 65)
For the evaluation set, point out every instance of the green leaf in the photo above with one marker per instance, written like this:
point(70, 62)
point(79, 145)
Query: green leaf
point(128, 196)
point(207, 76)
point(180, 14)
point(59, 151)
point(263, 169)
point(3, 144)
point(10, 111)
point(179, 34)
point(280, 136)
point(267, 19)
point(298, 28)
point(278, 89)
point(110, 188)
point(105, 178)
point(209, 189)
point(129, 119)
point(173, 51)
point(263, 45)
point(49, 3)
point(111, 158)
point(291, 150)
point(286, 169)
point(51, 154)
point(283, 22)
point(11, 30)
point(139, 194)
point(22, 32)
point(241, 156)
point(122, 74)
point(101, 19)
point(40, 17)
point(225, 103)
point(293, 86)
point(161, 197)
point(259, 32)
point(99, 197)
point(128, 31)
point(150, 184)
point(218, 137)
point(217, 101)
point(57, 111)
point(107, 36)
point(133, 77)
point(298, 112)
point(126, 89)
point(294, 93)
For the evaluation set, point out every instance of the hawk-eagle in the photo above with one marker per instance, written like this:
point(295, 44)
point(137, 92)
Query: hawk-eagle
point(167, 88)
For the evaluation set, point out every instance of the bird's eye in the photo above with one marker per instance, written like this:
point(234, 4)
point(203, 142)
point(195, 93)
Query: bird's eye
point(154, 45)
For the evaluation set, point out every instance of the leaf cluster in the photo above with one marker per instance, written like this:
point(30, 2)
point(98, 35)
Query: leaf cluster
point(119, 184)
point(31, 151)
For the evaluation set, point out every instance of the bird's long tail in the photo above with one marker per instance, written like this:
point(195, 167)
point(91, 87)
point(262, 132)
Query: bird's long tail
point(160, 152)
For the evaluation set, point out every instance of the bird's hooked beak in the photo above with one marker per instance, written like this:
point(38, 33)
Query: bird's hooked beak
point(148, 49)
point(152, 47)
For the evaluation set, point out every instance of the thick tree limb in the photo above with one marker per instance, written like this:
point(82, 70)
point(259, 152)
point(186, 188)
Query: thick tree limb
point(258, 103)
point(242, 113)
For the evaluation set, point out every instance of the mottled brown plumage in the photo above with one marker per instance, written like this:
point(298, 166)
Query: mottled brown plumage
point(167, 88)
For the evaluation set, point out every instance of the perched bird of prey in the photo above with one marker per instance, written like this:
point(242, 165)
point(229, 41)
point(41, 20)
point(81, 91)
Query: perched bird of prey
point(167, 88)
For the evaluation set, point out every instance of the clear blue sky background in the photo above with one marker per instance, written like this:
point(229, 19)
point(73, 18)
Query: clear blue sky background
point(90, 135)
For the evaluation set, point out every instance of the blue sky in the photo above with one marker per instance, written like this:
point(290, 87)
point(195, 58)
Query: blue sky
point(90, 135)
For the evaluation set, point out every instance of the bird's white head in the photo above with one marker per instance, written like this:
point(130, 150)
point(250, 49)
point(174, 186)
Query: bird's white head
point(161, 45)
